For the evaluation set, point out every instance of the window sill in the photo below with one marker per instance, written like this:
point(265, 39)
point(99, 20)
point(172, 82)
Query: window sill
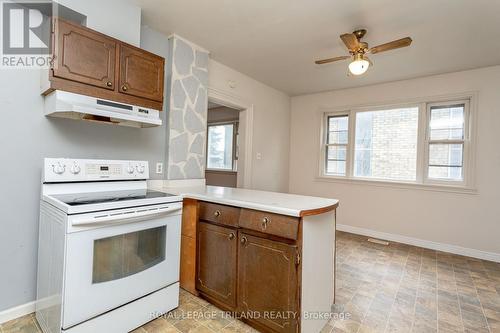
point(397, 184)
point(221, 171)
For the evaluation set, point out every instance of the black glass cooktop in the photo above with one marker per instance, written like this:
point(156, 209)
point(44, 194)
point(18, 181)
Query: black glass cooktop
point(76, 199)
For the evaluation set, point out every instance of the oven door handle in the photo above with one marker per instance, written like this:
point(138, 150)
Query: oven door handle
point(126, 217)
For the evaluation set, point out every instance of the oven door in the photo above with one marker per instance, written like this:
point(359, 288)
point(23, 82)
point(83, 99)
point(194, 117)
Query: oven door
point(116, 258)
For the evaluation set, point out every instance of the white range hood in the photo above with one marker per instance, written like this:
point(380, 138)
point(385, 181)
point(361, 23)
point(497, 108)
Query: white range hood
point(64, 104)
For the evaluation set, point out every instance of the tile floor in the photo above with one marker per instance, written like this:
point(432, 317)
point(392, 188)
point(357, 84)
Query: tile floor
point(395, 288)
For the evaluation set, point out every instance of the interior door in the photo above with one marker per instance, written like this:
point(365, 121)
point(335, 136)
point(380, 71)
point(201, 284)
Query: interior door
point(216, 263)
point(141, 73)
point(268, 285)
point(83, 55)
point(109, 266)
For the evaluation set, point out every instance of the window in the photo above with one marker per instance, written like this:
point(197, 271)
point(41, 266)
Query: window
point(336, 145)
point(446, 141)
point(424, 143)
point(386, 144)
point(221, 146)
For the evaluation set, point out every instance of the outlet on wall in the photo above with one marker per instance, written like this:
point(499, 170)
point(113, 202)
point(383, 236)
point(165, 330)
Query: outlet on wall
point(159, 168)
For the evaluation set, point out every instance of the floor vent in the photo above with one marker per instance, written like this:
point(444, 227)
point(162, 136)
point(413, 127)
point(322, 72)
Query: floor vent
point(378, 241)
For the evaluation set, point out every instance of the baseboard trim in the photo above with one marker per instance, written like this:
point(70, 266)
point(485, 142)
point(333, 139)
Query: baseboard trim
point(16, 312)
point(463, 251)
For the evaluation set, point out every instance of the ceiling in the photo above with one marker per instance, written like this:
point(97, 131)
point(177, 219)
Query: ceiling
point(276, 41)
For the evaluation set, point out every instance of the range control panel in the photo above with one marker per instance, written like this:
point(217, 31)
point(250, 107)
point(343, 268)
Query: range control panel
point(80, 170)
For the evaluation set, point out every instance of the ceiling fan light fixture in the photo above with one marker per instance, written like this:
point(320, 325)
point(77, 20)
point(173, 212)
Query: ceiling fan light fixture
point(359, 65)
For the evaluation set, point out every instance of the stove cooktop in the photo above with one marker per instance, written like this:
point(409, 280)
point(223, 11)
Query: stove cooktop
point(78, 199)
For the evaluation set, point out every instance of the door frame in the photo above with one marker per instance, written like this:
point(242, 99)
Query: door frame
point(244, 172)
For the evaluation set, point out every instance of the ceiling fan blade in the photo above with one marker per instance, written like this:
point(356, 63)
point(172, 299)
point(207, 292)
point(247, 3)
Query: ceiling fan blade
point(369, 61)
point(326, 61)
point(351, 41)
point(395, 44)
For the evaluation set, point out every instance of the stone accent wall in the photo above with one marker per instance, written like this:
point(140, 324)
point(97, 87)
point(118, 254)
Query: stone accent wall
point(187, 110)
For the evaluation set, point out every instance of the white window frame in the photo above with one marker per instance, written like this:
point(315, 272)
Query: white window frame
point(234, 162)
point(422, 179)
point(326, 144)
point(465, 141)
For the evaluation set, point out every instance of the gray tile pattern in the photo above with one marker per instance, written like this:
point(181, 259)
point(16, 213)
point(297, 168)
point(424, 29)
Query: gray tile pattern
point(402, 288)
point(395, 288)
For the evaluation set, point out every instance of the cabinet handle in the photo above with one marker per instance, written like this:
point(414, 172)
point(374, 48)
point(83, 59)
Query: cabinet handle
point(265, 221)
point(124, 88)
point(231, 236)
point(243, 240)
point(217, 213)
point(109, 84)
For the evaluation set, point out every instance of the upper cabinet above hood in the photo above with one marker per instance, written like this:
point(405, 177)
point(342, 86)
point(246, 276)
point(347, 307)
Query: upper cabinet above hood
point(90, 63)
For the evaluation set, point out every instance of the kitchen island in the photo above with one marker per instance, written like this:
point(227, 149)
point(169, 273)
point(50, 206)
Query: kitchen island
point(267, 257)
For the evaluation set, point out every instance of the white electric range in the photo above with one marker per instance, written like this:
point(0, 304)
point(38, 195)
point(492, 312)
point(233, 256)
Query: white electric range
point(109, 248)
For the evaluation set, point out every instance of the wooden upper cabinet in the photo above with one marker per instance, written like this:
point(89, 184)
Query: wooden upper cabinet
point(268, 281)
point(216, 263)
point(90, 63)
point(141, 73)
point(83, 55)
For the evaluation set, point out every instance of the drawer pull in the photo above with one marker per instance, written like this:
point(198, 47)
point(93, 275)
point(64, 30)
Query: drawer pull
point(217, 213)
point(109, 84)
point(124, 88)
point(231, 236)
point(243, 240)
point(265, 222)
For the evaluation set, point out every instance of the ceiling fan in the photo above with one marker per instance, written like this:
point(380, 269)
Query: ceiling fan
point(359, 49)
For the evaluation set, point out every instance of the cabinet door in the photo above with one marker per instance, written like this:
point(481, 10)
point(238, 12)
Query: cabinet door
point(83, 55)
point(216, 263)
point(268, 282)
point(141, 73)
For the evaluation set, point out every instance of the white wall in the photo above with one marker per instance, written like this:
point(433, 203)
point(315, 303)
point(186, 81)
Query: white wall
point(466, 220)
point(120, 19)
point(271, 125)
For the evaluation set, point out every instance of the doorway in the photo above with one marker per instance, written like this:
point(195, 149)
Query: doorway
point(222, 149)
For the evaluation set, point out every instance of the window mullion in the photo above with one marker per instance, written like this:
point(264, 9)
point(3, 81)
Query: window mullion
point(421, 143)
point(350, 145)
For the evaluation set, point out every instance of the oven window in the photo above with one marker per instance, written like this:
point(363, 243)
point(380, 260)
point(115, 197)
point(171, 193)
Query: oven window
point(123, 255)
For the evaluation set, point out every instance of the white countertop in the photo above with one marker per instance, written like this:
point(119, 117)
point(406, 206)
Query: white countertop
point(274, 202)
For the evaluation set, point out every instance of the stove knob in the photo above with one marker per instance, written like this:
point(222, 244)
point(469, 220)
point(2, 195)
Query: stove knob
point(130, 169)
point(59, 168)
point(75, 169)
point(140, 168)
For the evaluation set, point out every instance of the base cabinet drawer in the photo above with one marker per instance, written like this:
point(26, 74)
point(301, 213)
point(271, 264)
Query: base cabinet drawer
point(268, 282)
point(219, 213)
point(269, 223)
point(216, 263)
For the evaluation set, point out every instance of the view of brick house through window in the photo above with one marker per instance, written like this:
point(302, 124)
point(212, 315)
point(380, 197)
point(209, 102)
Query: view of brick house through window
point(387, 143)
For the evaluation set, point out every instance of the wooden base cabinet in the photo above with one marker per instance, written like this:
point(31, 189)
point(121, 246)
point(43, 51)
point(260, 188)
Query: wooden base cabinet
point(216, 258)
point(271, 270)
point(268, 282)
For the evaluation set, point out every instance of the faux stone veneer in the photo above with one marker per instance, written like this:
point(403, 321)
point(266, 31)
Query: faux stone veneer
point(187, 110)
